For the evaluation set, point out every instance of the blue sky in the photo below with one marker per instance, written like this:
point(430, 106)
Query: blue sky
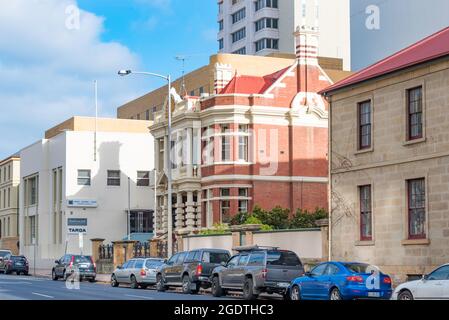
point(50, 68)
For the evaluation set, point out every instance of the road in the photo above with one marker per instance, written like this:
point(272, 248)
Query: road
point(14, 287)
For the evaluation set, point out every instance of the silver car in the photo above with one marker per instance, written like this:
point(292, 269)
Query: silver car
point(138, 272)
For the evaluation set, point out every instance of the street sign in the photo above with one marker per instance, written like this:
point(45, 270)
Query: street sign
point(81, 203)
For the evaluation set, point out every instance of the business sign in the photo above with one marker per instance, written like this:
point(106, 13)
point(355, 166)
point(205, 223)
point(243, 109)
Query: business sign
point(77, 203)
point(76, 230)
point(77, 222)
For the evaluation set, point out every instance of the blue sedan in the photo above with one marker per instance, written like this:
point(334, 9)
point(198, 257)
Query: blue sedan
point(341, 281)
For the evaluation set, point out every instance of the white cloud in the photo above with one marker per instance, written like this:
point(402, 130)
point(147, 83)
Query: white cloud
point(47, 69)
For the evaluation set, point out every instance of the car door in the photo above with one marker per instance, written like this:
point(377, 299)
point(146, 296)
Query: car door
point(240, 271)
point(178, 268)
point(59, 268)
point(326, 281)
point(168, 269)
point(227, 273)
point(119, 272)
point(128, 270)
point(310, 285)
point(433, 285)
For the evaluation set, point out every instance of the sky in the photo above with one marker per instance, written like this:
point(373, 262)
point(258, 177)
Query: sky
point(51, 51)
point(401, 23)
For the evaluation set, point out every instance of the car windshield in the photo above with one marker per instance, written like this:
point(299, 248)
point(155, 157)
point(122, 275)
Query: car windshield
point(16, 258)
point(215, 257)
point(360, 268)
point(4, 253)
point(82, 259)
point(283, 258)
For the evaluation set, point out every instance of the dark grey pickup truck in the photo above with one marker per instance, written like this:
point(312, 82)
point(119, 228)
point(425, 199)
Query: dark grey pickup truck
point(255, 270)
point(190, 270)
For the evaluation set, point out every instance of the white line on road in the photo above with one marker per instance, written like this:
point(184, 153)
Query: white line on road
point(141, 297)
point(42, 295)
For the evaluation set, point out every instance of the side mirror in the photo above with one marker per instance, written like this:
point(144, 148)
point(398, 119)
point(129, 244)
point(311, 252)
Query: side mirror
point(425, 277)
point(57, 261)
point(308, 274)
point(119, 267)
point(223, 264)
point(165, 261)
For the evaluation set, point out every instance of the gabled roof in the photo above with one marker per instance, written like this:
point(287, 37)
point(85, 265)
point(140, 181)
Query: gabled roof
point(430, 48)
point(252, 84)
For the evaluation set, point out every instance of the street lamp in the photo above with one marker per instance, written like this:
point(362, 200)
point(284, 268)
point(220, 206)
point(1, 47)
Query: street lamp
point(169, 169)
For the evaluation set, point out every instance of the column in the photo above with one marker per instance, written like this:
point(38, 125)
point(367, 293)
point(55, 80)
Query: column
point(179, 212)
point(165, 215)
point(198, 209)
point(190, 211)
point(189, 152)
point(96, 243)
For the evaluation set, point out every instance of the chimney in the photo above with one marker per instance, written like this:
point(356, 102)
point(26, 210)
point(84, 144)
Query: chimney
point(222, 75)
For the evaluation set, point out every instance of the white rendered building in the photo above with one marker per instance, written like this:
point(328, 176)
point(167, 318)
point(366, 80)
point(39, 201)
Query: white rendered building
point(264, 27)
point(67, 188)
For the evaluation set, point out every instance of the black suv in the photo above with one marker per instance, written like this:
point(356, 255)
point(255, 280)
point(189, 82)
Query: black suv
point(70, 264)
point(190, 270)
point(255, 270)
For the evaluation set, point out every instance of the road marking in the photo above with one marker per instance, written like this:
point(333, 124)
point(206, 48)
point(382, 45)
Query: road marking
point(141, 297)
point(42, 295)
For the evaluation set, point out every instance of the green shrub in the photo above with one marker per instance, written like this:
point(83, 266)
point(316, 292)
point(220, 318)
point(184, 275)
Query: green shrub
point(218, 228)
point(304, 219)
point(239, 218)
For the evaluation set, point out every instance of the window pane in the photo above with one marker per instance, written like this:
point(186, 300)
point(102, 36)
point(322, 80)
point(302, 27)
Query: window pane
point(417, 211)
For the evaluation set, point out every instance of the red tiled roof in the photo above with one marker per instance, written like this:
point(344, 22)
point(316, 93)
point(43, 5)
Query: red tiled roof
point(252, 84)
point(430, 48)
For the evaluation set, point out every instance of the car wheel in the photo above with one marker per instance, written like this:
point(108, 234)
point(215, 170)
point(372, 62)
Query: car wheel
point(92, 280)
point(248, 290)
point(217, 291)
point(405, 295)
point(160, 286)
point(295, 293)
point(143, 286)
point(186, 284)
point(335, 295)
point(25, 273)
point(53, 275)
point(114, 282)
point(134, 284)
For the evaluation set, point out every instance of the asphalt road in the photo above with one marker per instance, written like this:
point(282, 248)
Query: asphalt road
point(14, 287)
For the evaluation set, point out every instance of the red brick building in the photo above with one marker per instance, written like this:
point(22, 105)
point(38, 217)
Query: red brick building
point(259, 140)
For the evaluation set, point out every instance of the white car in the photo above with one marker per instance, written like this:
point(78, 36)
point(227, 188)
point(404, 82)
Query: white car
point(434, 286)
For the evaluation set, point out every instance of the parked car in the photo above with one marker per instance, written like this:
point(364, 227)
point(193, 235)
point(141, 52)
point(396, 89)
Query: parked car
point(433, 286)
point(71, 263)
point(139, 272)
point(17, 264)
point(341, 281)
point(191, 270)
point(4, 254)
point(255, 270)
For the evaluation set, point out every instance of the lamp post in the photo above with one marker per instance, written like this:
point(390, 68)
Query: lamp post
point(168, 163)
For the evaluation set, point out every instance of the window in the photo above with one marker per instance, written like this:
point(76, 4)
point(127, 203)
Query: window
point(238, 35)
point(416, 208)
point(220, 46)
point(225, 143)
point(113, 178)
point(366, 232)
point(32, 228)
point(139, 264)
point(415, 113)
point(243, 260)
point(267, 43)
point(319, 270)
point(225, 205)
point(240, 51)
point(220, 25)
point(283, 258)
point(33, 191)
point(332, 269)
point(270, 23)
point(191, 256)
point(143, 178)
point(243, 203)
point(257, 259)
point(214, 257)
point(239, 15)
point(260, 4)
point(84, 177)
point(364, 111)
point(141, 222)
point(147, 115)
point(243, 143)
point(233, 262)
point(439, 274)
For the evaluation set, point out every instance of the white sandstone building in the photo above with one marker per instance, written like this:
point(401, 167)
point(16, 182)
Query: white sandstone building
point(76, 181)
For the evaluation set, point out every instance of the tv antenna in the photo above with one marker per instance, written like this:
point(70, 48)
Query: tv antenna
point(183, 59)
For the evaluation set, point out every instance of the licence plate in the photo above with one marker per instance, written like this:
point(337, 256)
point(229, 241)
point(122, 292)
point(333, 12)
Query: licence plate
point(84, 266)
point(19, 264)
point(374, 294)
point(283, 284)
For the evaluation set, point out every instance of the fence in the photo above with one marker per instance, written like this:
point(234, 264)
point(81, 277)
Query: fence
point(106, 252)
